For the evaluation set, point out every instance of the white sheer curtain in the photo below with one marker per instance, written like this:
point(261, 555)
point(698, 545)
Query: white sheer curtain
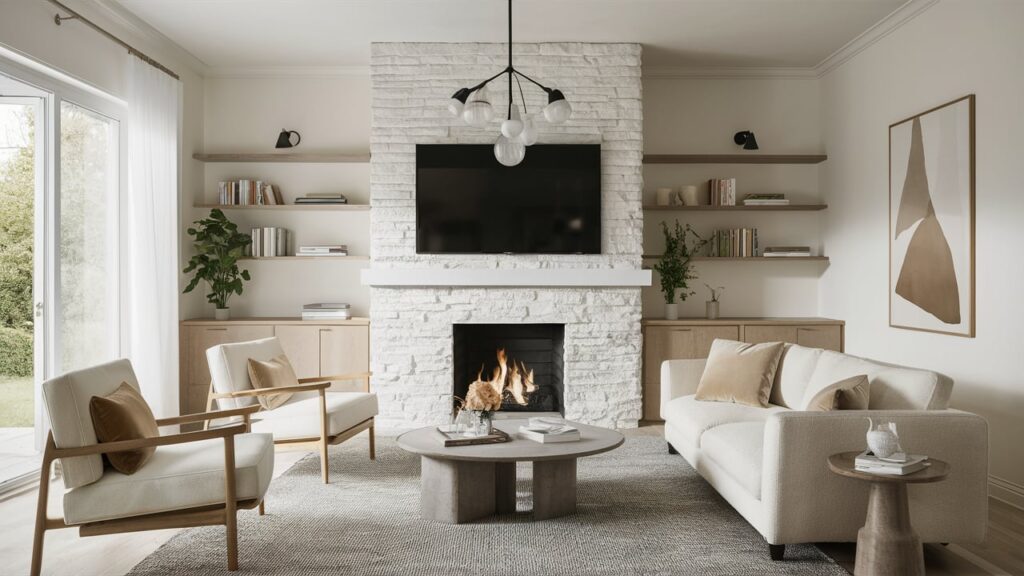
point(152, 218)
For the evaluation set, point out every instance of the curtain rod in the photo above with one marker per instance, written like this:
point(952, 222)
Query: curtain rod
point(57, 19)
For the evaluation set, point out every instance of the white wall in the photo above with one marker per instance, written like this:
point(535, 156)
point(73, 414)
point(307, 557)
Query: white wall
point(700, 116)
point(954, 48)
point(245, 114)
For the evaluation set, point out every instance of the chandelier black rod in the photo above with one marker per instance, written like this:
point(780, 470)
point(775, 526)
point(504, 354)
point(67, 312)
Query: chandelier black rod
point(510, 69)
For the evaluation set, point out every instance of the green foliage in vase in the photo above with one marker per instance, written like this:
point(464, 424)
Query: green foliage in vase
point(218, 245)
point(675, 268)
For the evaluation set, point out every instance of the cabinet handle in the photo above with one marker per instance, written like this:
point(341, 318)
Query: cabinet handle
point(806, 329)
point(216, 329)
point(682, 330)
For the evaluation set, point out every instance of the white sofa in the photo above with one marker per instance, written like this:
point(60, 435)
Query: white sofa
point(770, 463)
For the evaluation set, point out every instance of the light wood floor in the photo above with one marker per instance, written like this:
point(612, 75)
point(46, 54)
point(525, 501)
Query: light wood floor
point(115, 555)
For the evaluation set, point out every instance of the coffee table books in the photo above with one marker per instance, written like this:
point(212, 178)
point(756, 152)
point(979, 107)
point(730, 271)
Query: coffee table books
point(450, 437)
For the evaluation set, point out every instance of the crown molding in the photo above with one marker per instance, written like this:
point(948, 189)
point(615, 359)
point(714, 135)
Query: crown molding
point(866, 39)
point(754, 72)
point(287, 71)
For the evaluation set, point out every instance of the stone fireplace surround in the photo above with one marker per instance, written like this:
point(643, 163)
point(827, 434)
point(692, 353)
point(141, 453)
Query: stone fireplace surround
point(416, 299)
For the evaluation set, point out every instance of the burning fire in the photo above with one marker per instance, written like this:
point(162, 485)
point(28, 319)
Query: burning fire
point(510, 376)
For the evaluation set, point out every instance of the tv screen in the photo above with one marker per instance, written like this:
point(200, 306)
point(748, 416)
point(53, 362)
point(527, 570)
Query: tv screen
point(468, 203)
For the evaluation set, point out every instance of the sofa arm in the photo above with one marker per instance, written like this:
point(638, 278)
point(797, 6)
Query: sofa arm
point(805, 502)
point(679, 378)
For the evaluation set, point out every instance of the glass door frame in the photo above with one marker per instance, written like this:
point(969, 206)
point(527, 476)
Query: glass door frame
point(55, 87)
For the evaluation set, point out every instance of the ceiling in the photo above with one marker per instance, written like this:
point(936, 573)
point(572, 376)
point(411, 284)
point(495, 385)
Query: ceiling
point(675, 33)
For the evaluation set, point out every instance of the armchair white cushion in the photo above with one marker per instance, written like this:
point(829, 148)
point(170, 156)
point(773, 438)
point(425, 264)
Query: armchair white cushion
point(177, 477)
point(301, 418)
point(229, 367)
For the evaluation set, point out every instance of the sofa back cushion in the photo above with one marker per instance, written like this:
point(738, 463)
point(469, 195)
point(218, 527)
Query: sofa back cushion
point(892, 387)
point(229, 367)
point(796, 365)
point(66, 399)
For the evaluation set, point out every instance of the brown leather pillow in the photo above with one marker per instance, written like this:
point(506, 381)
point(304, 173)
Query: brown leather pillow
point(272, 374)
point(847, 394)
point(739, 372)
point(124, 415)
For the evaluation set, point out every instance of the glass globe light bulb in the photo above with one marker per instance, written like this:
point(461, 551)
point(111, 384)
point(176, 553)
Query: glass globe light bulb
point(558, 111)
point(478, 111)
point(509, 151)
point(529, 134)
point(513, 126)
point(455, 107)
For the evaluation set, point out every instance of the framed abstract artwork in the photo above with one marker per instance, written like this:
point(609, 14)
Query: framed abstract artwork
point(931, 220)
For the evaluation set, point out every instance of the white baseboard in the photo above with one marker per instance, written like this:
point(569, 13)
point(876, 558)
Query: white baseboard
point(1006, 491)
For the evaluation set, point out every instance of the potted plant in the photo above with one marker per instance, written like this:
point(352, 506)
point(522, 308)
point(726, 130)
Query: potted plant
point(675, 268)
point(712, 305)
point(218, 245)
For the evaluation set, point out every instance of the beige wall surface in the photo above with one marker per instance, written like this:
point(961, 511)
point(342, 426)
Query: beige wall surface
point(954, 48)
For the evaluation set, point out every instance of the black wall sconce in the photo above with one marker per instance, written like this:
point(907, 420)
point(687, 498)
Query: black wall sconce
point(284, 139)
point(745, 139)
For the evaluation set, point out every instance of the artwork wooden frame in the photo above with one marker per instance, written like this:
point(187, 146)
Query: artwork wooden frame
point(932, 220)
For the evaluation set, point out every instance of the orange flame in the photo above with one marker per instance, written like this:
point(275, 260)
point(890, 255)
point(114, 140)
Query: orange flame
point(511, 376)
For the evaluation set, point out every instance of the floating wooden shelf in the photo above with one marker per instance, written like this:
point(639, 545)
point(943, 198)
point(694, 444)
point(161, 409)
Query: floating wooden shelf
point(788, 208)
point(287, 157)
point(734, 158)
point(339, 207)
point(325, 258)
point(747, 259)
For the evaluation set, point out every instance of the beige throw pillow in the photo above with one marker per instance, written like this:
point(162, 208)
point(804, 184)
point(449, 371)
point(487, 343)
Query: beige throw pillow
point(273, 373)
point(739, 372)
point(847, 394)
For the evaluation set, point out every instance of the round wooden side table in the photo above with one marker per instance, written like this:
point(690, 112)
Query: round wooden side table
point(887, 544)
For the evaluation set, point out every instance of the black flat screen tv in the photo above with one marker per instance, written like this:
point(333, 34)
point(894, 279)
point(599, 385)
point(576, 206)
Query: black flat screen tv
point(468, 203)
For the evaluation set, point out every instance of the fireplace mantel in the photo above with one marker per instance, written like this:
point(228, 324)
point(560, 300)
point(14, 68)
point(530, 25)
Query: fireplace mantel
point(506, 277)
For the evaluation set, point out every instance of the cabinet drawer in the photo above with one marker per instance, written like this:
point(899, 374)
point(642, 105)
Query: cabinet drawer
point(675, 343)
point(828, 337)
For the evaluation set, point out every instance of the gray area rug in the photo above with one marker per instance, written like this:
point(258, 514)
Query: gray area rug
point(640, 512)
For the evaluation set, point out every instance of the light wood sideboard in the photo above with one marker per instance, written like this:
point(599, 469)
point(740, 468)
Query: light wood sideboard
point(692, 338)
point(314, 348)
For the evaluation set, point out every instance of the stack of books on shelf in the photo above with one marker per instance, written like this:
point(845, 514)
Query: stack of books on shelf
point(326, 311)
point(326, 250)
point(322, 198)
point(898, 465)
point(765, 200)
point(248, 193)
point(723, 191)
point(787, 251)
point(269, 242)
point(548, 430)
point(734, 243)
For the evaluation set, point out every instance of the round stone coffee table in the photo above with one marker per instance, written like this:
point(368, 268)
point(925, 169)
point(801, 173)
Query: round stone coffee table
point(888, 544)
point(466, 483)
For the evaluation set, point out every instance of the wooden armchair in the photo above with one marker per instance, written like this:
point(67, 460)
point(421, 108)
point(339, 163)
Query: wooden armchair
point(193, 479)
point(314, 413)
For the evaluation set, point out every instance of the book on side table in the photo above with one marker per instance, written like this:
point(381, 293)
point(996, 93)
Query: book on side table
point(906, 464)
point(549, 431)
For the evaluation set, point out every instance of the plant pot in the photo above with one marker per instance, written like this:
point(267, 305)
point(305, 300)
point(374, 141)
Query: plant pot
point(712, 309)
point(221, 313)
point(671, 311)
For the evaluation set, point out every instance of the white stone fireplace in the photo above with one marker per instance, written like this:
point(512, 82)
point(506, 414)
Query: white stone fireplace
point(416, 300)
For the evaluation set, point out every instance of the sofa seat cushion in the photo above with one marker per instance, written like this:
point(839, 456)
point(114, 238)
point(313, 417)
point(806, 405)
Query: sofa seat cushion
point(738, 450)
point(300, 418)
point(692, 417)
point(178, 476)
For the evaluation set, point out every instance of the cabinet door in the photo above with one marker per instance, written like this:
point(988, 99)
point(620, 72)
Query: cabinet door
point(302, 346)
point(760, 333)
point(343, 350)
point(200, 338)
point(675, 343)
point(827, 337)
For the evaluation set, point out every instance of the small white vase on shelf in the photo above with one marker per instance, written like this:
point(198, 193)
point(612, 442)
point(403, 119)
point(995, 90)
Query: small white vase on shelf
point(689, 195)
point(712, 309)
point(221, 313)
point(671, 311)
point(663, 196)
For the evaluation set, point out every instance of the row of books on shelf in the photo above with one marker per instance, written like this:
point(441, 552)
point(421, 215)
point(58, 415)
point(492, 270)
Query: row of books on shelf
point(326, 311)
point(734, 243)
point(268, 241)
point(248, 193)
point(722, 191)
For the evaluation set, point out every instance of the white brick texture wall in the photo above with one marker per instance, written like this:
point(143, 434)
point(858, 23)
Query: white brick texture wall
point(411, 329)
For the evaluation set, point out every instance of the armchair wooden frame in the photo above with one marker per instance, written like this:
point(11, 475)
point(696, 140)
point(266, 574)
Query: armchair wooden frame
point(219, 514)
point(321, 385)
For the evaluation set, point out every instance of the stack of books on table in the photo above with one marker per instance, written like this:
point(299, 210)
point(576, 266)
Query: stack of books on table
point(326, 250)
point(787, 251)
point(549, 430)
point(326, 311)
point(765, 200)
point(322, 198)
point(898, 465)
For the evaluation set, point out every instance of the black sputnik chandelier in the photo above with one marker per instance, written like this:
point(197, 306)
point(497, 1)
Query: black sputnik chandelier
point(517, 130)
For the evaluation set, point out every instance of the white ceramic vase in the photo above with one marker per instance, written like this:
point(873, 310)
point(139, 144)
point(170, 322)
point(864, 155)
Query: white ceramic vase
point(221, 313)
point(712, 309)
point(671, 311)
point(882, 439)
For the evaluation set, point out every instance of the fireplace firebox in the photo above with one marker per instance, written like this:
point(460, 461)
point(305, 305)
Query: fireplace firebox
point(524, 362)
